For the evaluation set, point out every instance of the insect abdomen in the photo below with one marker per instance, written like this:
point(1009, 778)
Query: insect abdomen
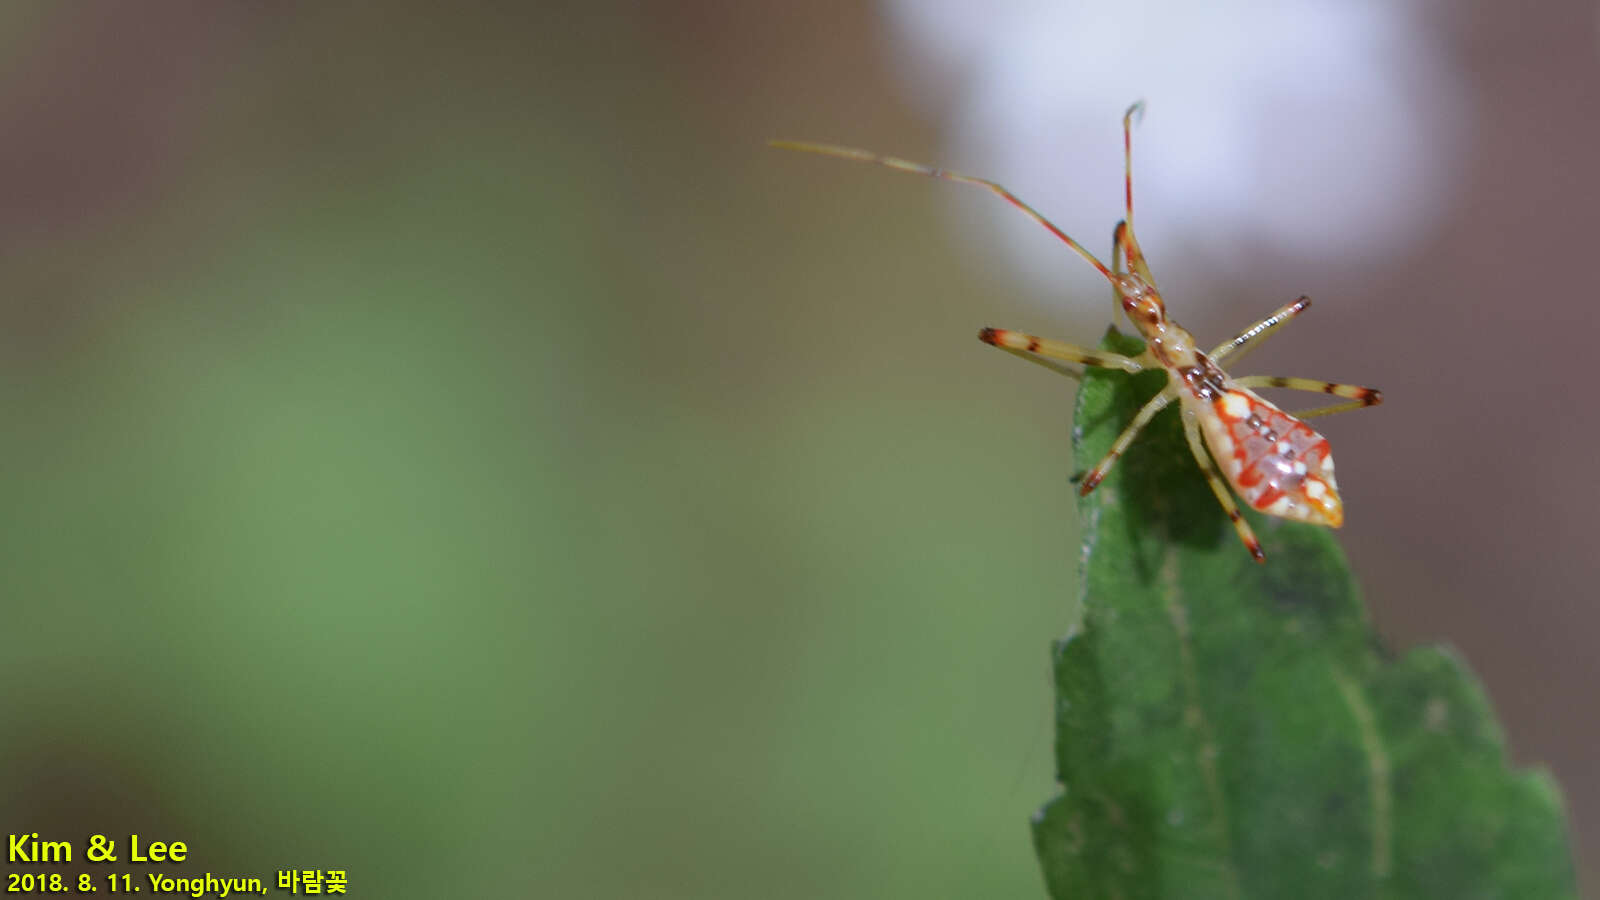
point(1275, 462)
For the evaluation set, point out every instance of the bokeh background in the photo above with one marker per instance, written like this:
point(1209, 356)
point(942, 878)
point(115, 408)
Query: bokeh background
point(442, 442)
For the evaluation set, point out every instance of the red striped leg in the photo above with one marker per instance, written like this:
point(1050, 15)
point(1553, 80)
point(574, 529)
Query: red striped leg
point(1052, 365)
point(1252, 337)
point(1027, 343)
point(1191, 431)
point(1148, 412)
point(1360, 396)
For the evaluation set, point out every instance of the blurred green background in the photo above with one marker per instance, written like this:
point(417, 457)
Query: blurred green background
point(443, 443)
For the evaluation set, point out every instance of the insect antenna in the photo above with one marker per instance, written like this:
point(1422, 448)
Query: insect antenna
point(903, 165)
point(1129, 243)
point(1135, 112)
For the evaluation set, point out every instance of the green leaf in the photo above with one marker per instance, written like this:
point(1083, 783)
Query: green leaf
point(1227, 729)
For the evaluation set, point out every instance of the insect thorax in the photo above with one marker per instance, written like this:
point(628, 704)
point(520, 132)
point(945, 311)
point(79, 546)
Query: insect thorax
point(1175, 349)
point(1202, 377)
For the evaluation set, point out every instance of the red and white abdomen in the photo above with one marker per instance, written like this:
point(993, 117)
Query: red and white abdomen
point(1275, 462)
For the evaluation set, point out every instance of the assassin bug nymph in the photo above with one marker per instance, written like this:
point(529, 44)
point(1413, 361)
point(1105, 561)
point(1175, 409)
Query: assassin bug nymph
point(1272, 459)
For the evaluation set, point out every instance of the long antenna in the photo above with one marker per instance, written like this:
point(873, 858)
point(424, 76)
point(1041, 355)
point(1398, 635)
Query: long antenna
point(1131, 252)
point(1136, 111)
point(902, 165)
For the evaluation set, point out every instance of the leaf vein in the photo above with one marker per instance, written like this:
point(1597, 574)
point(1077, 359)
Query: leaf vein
point(1378, 771)
point(1194, 711)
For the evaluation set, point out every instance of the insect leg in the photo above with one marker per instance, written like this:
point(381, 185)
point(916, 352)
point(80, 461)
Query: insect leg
point(1252, 337)
point(1027, 343)
point(1052, 365)
point(1148, 412)
point(1191, 431)
point(1360, 396)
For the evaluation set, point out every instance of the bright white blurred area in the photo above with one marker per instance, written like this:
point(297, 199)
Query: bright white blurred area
point(1314, 129)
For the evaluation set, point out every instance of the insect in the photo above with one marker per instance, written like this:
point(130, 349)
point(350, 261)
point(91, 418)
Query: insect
point(1273, 460)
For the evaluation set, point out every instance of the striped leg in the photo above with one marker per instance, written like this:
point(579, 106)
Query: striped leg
point(1360, 396)
point(1251, 337)
point(1019, 343)
point(1156, 404)
point(1191, 431)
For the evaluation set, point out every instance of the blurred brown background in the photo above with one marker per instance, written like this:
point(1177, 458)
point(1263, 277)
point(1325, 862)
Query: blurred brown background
point(444, 443)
